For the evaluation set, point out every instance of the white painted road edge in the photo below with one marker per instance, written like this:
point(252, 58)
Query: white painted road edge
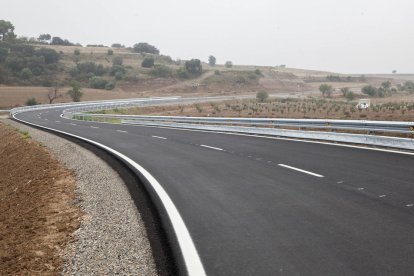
point(191, 258)
point(300, 170)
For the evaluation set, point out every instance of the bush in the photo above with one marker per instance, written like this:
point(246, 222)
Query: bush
point(326, 89)
point(262, 96)
point(258, 72)
point(217, 72)
point(370, 90)
point(117, 45)
point(119, 75)
point(76, 52)
point(110, 86)
point(117, 69)
point(144, 47)
point(75, 92)
point(26, 73)
point(161, 71)
point(182, 73)
point(117, 60)
point(110, 52)
point(194, 67)
point(31, 101)
point(228, 64)
point(98, 83)
point(148, 62)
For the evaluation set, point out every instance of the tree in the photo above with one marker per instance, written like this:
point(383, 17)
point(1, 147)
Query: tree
point(31, 101)
point(370, 90)
point(53, 93)
point(345, 90)
point(75, 93)
point(6, 30)
point(194, 66)
point(50, 55)
point(144, 47)
point(148, 62)
point(211, 60)
point(326, 89)
point(117, 45)
point(117, 60)
point(262, 96)
point(97, 82)
point(44, 37)
point(350, 96)
point(228, 64)
point(26, 73)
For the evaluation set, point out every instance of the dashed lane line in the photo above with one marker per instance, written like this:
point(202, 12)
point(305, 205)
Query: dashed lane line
point(210, 147)
point(300, 170)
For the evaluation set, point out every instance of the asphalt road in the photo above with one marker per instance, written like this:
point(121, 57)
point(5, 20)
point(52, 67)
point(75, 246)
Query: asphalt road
point(259, 206)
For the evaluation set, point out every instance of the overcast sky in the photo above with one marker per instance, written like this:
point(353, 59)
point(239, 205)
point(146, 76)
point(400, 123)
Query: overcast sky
point(346, 36)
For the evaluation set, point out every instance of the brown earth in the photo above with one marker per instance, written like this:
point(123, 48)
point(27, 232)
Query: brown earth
point(38, 215)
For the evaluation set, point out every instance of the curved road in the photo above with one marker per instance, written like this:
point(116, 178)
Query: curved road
point(263, 206)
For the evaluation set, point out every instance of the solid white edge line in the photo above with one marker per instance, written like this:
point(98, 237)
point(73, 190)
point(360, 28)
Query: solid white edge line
point(191, 258)
point(280, 138)
point(300, 170)
point(205, 146)
point(123, 131)
point(159, 137)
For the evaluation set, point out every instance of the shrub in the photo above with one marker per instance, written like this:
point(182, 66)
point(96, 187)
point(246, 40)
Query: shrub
point(262, 96)
point(144, 47)
point(98, 83)
point(370, 90)
point(194, 66)
point(182, 73)
point(26, 73)
point(148, 62)
point(228, 64)
point(75, 92)
point(161, 71)
point(211, 60)
point(31, 101)
point(110, 86)
point(76, 52)
point(117, 69)
point(326, 89)
point(119, 75)
point(110, 52)
point(117, 60)
point(217, 72)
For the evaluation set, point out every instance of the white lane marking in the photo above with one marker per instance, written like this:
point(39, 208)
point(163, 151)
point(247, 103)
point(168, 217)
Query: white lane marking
point(281, 138)
point(159, 137)
point(73, 124)
point(300, 170)
point(205, 146)
point(409, 205)
point(57, 121)
point(269, 161)
point(46, 119)
point(340, 182)
point(189, 251)
point(94, 127)
point(123, 131)
point(382, 196)
point(360, 189)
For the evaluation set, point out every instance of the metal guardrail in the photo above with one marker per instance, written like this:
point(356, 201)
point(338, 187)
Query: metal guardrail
point(374, 140)
point(360, 125)
point(267, 126)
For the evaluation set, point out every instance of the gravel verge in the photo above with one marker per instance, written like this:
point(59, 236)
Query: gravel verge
point(112, 238)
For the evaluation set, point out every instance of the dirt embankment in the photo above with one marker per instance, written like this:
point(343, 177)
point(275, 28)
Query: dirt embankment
point(38, 215)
